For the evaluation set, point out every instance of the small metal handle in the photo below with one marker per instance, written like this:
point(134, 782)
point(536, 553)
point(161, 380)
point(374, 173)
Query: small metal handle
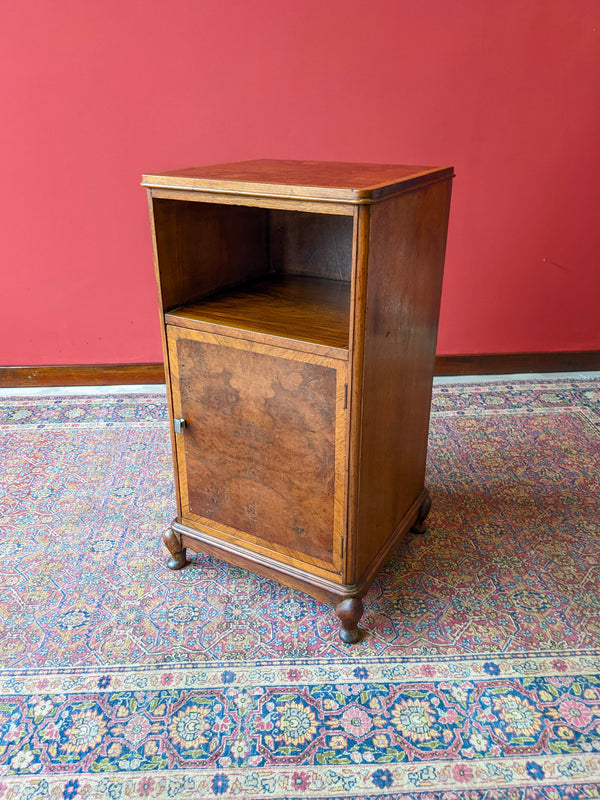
point(179, 425)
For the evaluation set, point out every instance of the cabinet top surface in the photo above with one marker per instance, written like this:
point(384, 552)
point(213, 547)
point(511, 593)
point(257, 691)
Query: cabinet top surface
point(301, 179)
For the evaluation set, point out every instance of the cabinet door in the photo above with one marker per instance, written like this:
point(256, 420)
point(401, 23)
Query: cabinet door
point(261, 458)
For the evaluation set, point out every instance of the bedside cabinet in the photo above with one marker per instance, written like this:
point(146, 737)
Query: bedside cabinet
point(299, 306)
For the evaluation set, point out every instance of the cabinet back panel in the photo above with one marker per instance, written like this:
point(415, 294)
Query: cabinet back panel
point(317, 245)
point(204, 248)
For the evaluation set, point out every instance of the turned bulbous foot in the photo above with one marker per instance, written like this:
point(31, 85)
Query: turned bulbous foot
point(420, 524)
point(173, 545)
point(349, 612)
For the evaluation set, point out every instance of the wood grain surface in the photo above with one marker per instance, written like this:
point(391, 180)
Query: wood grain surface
point(317, 245)
point(202, 248)
point(292, 203)
point(291, 307)
point(258, 452)
point(307, 179)
point(300, 306)
point(407, 239)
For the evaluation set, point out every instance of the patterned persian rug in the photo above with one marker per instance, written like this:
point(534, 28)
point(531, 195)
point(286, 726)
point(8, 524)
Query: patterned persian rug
point(477, 677)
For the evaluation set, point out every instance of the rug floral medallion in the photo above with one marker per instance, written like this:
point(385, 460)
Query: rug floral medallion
point(477, 676)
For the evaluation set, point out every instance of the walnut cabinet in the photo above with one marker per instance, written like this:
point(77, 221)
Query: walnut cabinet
point(299, 306)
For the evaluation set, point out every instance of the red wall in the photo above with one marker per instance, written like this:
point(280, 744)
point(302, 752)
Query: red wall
point(97, 92)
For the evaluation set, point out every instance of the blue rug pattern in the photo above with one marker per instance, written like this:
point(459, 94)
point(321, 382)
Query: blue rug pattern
point(478, 675)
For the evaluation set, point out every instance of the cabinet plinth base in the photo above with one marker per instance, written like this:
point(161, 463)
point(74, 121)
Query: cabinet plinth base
point(346, 599)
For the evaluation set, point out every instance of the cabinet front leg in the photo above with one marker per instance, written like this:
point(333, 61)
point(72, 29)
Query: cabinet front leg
point(173, 544)
point(419, 525)
point(349, 612)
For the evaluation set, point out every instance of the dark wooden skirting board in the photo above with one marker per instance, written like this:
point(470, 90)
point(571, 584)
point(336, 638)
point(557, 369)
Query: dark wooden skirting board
point(82, 375)
point(115, 374)
point(518, 363)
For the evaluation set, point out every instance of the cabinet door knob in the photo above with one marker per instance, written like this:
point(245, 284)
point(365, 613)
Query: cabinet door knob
point(179, 425)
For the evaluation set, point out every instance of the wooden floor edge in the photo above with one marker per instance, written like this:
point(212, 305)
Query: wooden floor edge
point(446, 366)
point(81, 375)
point(517, 363)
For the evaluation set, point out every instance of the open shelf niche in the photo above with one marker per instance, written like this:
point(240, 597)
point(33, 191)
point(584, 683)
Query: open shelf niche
point(273, 274)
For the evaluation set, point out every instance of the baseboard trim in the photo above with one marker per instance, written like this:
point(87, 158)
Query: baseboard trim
point(81, 375)
point(447, 366)
point(518, 363)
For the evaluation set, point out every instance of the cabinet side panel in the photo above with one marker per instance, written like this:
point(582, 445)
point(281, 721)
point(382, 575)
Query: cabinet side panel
point(407, 244)
point(202, 248)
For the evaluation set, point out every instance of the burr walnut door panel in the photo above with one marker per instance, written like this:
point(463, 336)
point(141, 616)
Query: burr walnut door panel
point(261, 457)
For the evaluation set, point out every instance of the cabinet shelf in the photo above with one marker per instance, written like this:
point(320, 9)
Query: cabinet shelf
point(298, 311)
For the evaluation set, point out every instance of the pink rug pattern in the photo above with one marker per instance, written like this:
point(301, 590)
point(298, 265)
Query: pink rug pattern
point(477, 675)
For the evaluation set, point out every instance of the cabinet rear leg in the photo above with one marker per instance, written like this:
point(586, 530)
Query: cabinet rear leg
point(419, 525)
point(349, 612)
point(173, 544)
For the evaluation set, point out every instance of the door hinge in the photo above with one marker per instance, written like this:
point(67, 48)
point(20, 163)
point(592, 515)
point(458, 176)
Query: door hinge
point(346, 396)
point(179, 425)
point(342, 547)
